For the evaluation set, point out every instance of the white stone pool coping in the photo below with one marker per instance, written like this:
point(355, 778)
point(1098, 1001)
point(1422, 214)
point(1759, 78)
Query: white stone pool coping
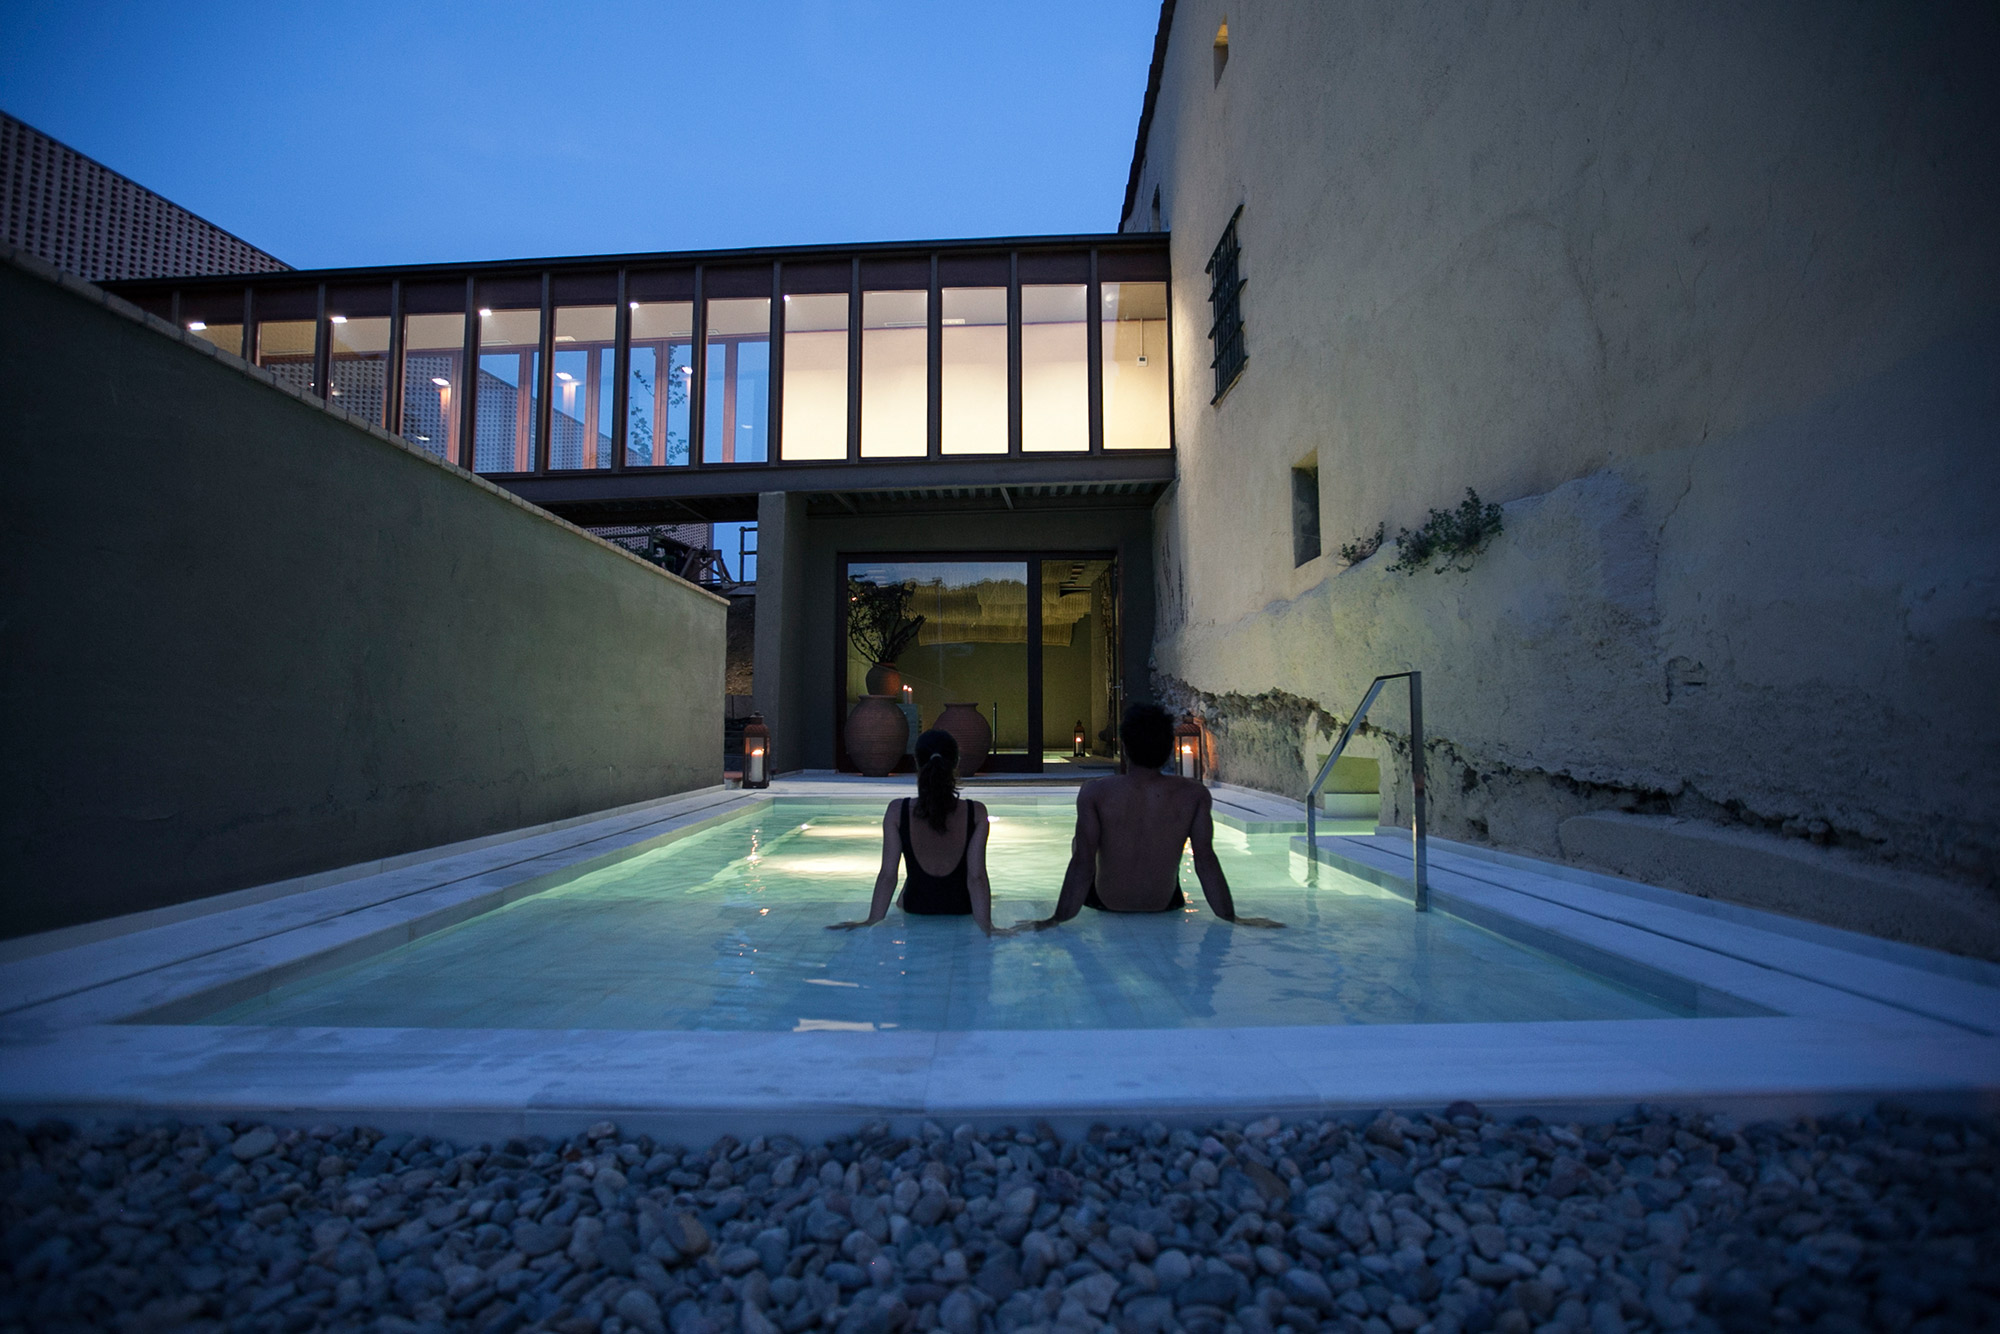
point(1846, 1020)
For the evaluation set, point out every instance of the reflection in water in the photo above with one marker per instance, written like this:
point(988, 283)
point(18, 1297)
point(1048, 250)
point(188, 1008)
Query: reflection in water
point(723, 929)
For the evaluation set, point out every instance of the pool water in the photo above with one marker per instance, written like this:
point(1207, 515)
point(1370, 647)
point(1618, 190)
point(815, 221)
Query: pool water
point(725, 929)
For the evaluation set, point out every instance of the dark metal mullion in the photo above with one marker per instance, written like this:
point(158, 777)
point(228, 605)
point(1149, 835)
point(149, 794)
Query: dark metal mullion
point(774, 388)
point(545, 373)
point(1093, 320)
point(468, 374)
point(854, 362)
point(322, 349)
point(934, 360)
point(392, 380)
point(1034, 664)
point(621, 373)
point(698, 363)
point(248, 350)
point(1014, 353)
point(174, 310)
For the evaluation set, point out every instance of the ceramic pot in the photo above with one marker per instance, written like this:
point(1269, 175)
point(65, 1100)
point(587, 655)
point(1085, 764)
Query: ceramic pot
point(968, 727)
point(884, 679)
point(878, 735)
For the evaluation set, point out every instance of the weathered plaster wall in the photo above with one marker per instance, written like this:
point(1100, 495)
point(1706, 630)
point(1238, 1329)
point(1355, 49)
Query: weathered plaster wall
point(243, 639)
point(1708, 298)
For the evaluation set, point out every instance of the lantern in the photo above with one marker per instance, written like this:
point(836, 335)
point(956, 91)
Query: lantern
point(1187, 748)
point(756, 752)
point(1077, 752)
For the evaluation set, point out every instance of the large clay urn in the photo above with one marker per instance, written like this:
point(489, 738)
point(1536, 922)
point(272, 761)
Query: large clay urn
point(878, 735)
point(968, 727)
point(884, 679)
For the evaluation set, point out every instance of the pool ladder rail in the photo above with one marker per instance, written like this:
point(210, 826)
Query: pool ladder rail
point(1420, 847)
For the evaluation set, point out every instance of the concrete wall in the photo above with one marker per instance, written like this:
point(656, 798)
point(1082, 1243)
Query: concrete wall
point(812, 607)
point(242, 638)
point(1707, 296)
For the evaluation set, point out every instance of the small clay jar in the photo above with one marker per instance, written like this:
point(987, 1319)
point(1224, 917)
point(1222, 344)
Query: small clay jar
point(878, 735)
point(968, 727)
point(884, 678)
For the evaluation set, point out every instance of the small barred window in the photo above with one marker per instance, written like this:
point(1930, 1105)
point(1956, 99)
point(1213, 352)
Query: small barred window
point(1225, 299)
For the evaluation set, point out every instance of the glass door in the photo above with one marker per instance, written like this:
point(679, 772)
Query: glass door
point(960, 632)
point(1080, 679)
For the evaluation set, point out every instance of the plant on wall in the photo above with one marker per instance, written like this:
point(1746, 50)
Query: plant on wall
point(1361, 548)
point(1451, 538)
point(879, 623)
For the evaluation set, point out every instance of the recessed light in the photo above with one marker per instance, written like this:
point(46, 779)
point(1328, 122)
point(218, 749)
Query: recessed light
point(196, 326)
point(564, 376)
point(337, 319)
point(484, 311)
point(440, 382)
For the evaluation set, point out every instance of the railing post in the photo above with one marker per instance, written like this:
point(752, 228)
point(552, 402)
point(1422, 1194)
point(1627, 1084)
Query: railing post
point(1420, 851)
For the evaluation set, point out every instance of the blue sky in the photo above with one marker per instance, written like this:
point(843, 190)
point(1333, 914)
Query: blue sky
point(375, 133)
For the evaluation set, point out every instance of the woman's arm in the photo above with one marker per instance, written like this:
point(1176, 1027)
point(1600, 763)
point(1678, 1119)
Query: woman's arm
point(975, 868)
point(885, 879)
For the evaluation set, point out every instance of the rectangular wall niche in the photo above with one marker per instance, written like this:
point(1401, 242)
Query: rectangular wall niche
point(1305, 514)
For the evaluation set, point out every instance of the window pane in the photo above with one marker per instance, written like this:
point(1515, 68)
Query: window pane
point(216, 317)
point(503, 434)
point(1135, 366)
point(975, 370)
point(1055, 360)
point(815, 411)
point(895, 376)
point(736, 407)
point(359, 367)
point(662, 374)
point(285, 348)
point(433, 346)
point(580, 420)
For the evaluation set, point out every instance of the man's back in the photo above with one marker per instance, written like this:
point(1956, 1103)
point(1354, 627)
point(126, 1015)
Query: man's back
point(1142, 822)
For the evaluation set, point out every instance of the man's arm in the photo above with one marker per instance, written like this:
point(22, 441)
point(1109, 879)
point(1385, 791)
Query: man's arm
point(1082, 861)
point(1208, 867)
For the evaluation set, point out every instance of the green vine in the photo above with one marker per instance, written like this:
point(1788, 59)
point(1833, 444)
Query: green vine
point(1361, 548)
point(1451, 538)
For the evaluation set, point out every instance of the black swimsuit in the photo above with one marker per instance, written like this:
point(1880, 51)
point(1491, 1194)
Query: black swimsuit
point(928, 895)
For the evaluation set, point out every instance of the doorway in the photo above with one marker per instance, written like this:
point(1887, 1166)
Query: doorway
point(1030, 641)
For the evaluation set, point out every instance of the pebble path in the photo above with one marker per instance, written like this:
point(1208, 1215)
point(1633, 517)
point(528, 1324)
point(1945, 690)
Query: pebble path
point(1416, 1224)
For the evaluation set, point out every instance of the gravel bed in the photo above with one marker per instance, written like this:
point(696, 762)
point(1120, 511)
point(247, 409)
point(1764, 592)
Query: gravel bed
point(1406, 1223)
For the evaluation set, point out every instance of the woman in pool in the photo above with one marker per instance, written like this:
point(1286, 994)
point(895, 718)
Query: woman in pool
point(935, 828)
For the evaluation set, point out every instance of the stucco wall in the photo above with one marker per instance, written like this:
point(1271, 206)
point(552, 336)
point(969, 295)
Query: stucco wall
point(1705, 295)
point(242, 638)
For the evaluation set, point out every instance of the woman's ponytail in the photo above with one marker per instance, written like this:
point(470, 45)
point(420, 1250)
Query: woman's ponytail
point(937, 777)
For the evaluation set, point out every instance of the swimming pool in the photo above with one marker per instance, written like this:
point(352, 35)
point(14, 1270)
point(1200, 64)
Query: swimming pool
point(722, 929)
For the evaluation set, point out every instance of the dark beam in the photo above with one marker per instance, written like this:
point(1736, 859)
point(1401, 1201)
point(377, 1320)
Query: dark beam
point(559, 490)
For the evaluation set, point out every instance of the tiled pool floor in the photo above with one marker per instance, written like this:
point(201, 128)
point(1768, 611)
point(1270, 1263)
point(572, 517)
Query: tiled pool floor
point(725, 929)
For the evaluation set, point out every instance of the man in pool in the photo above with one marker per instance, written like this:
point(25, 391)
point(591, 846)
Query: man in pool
point(1130, 830)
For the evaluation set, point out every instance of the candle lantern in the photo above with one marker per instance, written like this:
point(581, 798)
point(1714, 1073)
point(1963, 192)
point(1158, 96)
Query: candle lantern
point(1187, 748)
point(756, 752)
point(1077, 752)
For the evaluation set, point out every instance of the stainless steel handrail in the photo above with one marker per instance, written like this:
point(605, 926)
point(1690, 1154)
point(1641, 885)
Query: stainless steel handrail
point(1421, 850)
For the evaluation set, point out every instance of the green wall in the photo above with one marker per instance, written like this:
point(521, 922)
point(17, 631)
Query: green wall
point(243, 639)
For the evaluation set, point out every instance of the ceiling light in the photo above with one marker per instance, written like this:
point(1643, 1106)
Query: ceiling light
point(196, 326)
point(440, 382)
point(484, 311)
point(635, 305)
point(338, 319)
point(564, 376)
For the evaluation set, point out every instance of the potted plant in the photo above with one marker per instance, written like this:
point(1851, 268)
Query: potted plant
point(880, 627)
